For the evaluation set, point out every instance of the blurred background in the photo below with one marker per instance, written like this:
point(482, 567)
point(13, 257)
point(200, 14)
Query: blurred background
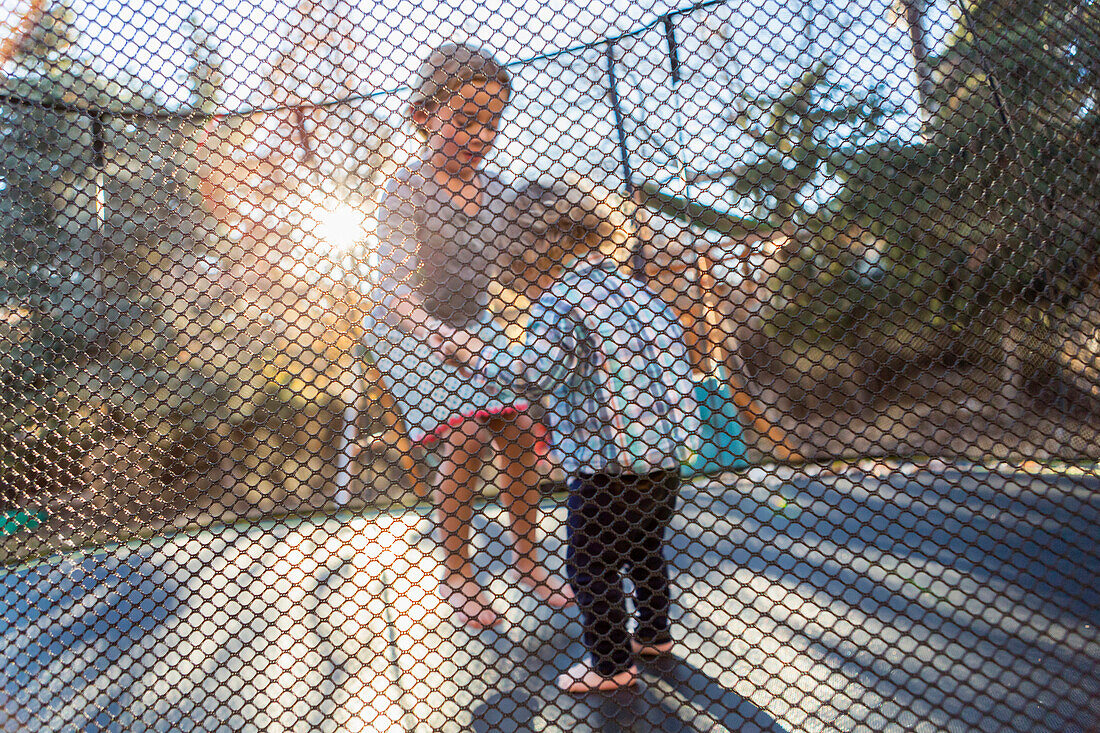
point(877, 220)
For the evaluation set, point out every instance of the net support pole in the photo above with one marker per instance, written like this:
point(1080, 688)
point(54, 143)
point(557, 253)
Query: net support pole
point(99, 160)
point(636, 264)
point(617, 109)
point(673, 52)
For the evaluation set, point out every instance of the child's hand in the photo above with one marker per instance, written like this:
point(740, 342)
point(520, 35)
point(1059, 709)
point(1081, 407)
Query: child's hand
point(461, 348)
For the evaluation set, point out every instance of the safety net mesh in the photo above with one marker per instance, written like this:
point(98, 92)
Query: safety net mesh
point(379, 365)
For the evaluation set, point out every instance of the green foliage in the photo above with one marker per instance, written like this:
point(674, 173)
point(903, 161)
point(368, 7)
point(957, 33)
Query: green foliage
point(1043, 55)
point(794, 146)
point(793, 137)
point(90, 225)
point(993, 216)
point(43, 275)
point(1006, 184)
point(47, 47)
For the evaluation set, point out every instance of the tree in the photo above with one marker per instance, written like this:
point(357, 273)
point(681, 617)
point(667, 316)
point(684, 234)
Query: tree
point(794, 134)
point(93, 207)
point(707, 123)
point(1042, 56)
point(45, 272)
point(990, 225)
point(205, 73)
point(20, 19)
point(47, 40)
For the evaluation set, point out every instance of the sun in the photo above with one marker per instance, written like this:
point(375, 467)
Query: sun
point(340, 228)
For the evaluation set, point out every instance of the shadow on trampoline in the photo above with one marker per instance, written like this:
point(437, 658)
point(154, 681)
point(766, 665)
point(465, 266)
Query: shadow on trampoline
point(672, 697)
point(960, 598)
point(1031, 538)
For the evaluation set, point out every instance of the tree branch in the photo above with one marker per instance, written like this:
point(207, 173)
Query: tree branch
point(697, 214)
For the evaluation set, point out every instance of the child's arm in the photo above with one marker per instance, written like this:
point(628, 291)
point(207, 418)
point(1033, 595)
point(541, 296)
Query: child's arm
point(557, 350)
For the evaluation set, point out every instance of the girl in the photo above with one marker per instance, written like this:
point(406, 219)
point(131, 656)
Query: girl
point(442, 232)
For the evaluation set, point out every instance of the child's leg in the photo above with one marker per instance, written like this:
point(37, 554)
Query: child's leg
point(514, 442)
point(593, 561)
point(649, 569)
point(458, 472)
point(519, 493)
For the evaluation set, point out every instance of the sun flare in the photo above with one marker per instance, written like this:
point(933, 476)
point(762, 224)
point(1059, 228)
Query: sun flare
point(341, 228)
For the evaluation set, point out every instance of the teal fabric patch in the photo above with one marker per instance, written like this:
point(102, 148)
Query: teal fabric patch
point(17, 520)
point(721, 447)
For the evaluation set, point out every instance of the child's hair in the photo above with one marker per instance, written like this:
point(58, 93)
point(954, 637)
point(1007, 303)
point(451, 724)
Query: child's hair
point(552, 223)
point(446, 69)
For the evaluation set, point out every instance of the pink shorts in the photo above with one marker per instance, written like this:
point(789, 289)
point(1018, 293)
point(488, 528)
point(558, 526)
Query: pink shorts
point(483, 416)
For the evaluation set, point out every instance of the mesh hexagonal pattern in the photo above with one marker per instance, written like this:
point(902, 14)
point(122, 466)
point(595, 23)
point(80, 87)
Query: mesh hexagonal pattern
point(413, 366)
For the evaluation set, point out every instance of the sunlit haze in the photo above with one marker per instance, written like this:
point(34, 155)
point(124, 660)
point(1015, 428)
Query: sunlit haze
point(340, 228)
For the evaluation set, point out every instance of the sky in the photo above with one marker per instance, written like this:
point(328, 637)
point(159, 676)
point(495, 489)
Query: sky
point(560, 119)
point(391, 34)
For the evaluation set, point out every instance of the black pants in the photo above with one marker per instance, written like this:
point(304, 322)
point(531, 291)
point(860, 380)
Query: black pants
point(618, 521)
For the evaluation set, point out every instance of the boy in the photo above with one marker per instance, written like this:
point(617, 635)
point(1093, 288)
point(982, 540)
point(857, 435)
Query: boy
point(606, 357)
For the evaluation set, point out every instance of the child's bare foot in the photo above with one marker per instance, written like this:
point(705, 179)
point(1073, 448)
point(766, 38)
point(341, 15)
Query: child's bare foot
point(544, 585)
point(582, 678)
point(472, 604)
point(650, 650)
